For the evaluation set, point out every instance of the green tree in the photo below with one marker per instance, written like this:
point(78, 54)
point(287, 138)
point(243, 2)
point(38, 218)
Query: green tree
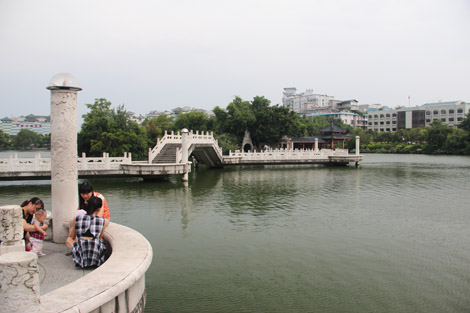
point(437, 136)
point(465, 124)
point(271, 122)
point(155, 127)
point(196, 121)
point(228, 142)
point(111, 130)
point(315, 123)
point(456, 141)
point(5, 140)
point(237, 118)
point(26, 139)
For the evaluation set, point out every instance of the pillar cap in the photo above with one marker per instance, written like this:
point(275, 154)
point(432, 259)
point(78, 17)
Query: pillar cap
point(64, 81)
point(184, 130)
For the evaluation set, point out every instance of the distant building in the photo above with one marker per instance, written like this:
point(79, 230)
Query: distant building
point(348, 118)
point(309, 104)
point(36, 123)
point(305, 102)
point(449, 113)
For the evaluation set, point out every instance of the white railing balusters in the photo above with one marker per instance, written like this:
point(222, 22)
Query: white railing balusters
point(15, 164)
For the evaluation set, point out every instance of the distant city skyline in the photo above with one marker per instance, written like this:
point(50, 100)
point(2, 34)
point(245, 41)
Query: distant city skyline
point(162, 55)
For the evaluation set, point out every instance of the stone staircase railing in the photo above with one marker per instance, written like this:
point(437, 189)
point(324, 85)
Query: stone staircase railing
point(161, 142)
point(203, 138)
point(168, 154)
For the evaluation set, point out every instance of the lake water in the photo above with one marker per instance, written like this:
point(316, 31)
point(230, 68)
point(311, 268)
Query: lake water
point(392, 235)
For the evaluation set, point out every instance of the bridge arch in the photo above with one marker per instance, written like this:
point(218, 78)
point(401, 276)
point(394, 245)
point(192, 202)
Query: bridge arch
point(247, 147)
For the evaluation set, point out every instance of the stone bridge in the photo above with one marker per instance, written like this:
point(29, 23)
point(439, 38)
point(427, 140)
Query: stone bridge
point(170, 156)
point(202, 146)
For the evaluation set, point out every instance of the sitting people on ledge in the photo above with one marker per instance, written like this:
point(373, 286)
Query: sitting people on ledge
point(29, 208)
point(86, 237)
point(85, 192)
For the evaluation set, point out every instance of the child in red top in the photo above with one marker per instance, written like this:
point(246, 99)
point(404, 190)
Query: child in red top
point(37, 237)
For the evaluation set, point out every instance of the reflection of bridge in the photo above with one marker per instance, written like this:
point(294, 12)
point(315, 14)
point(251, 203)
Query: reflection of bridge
point(167, 158)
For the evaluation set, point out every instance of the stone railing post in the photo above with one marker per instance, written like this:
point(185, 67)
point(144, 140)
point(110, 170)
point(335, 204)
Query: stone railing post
point(11, 229)
point(84, 162)
point(11, 163)
point(357, 145)
point(184, 152)
point(19, 280)
point(64, 174)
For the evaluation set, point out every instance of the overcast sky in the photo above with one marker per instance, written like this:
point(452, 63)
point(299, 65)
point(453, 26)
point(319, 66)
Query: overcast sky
point(158, 55)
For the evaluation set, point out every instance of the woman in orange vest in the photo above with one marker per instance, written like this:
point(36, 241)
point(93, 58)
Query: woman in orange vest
point(86, 192)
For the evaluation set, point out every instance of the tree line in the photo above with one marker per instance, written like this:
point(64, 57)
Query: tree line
point(110, 129)
point(437, 138)
point(25, 139)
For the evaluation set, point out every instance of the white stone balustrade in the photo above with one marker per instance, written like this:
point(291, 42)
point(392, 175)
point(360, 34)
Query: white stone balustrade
point(11, 229)
point(286, 154)
point(15, 164)
point(19, 282)
point(161, 142)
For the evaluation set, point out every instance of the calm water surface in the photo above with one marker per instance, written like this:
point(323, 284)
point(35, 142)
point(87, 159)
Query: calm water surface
point(390, 236)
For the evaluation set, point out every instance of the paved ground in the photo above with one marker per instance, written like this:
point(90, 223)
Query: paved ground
point(56, 269)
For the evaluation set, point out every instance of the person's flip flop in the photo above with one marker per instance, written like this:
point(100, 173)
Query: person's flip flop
point(68, 252)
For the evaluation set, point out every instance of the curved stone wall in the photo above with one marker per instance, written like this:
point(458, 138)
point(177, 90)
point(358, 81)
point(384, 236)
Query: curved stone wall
point(116, 286)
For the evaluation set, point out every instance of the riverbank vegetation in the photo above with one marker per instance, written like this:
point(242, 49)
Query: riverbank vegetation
point(25, 140)
point(108, 129)
point(434, 139)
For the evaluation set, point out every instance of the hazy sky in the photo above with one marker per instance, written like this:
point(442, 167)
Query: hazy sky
point(158, 55)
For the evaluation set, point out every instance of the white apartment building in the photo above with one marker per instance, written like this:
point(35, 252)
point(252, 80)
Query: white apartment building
point(38, 124)
point(449, 113)
point(348, 118)
point(305, 102)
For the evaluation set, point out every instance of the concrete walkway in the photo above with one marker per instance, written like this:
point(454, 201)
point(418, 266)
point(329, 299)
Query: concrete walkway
point(57, 269)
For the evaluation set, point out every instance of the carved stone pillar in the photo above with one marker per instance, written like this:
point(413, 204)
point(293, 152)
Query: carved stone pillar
point(358, 146)
point(64, 189)
point(184, 151)
point(11, 229)
point(316, 144)
point(19, 281)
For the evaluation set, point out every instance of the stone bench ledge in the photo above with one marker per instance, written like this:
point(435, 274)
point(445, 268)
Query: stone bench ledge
point(119, 282)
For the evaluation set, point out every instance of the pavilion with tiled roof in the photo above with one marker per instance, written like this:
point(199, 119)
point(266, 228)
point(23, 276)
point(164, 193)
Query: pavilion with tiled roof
point(333, 133)
point(330, 135)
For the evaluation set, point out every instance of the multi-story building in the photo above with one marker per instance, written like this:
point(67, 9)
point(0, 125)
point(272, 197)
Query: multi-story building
point(449, 113)
point(348, 118)
point(36, 123)
point(305, 102)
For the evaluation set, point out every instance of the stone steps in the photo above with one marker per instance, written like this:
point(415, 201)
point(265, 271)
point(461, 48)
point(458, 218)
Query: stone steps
point(168, 154)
